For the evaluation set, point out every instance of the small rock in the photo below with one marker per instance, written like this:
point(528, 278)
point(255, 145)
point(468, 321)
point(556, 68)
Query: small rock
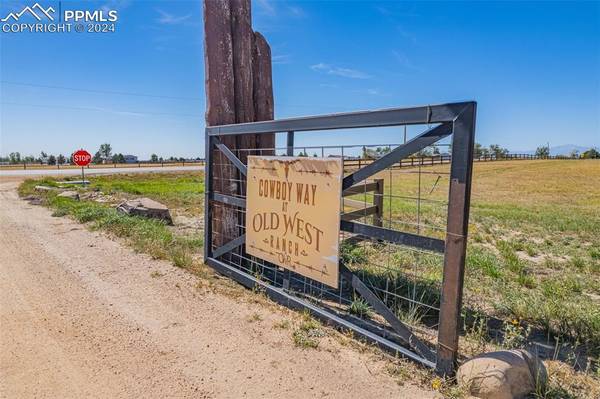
point(147, 208)
point(32, 200)
point(74, 195)
point(104, 199)
point(509, 374)
point(90, 195)
point(44, 188)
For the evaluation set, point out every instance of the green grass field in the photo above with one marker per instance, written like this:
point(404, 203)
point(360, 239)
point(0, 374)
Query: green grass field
point(534, 245)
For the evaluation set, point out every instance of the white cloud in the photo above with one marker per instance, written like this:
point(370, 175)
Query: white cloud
point(115, 5)
point(170, 19)
point(339, 71)
point(403, 60)
point(407, 35)
point(267, 7)
point(281, 59)
point(272, 9)
point(296, 11)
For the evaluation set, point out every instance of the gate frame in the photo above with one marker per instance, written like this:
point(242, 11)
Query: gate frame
point(456, 119)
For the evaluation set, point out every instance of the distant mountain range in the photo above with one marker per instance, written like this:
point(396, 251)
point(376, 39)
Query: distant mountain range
point(565, 149)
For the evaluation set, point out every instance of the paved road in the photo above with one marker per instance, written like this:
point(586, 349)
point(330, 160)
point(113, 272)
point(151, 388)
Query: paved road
point(94, 171)
point(82, 316)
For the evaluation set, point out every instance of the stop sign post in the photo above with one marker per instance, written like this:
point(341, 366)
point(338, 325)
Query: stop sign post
point(82, 158)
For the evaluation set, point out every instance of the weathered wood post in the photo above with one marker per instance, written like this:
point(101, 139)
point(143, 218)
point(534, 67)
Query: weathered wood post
point(239, 89)
point(378, 202)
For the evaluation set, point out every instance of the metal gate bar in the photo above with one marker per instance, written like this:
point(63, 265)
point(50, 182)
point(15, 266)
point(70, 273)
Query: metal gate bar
point(457, 119)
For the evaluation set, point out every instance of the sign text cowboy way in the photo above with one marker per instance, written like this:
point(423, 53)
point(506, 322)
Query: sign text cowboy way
point(293, 214)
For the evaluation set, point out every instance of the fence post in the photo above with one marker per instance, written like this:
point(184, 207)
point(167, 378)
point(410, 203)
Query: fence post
point(238, 89)
point(290, 144)
point(378, 202)
point(463, 141)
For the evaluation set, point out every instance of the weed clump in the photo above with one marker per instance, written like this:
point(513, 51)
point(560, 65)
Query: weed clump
point(308, 333)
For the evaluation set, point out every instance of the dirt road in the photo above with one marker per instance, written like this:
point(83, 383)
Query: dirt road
point(83, 316)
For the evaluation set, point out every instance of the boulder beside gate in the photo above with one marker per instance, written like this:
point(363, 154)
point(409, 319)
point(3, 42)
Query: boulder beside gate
point(508, 374)
point(146, 207)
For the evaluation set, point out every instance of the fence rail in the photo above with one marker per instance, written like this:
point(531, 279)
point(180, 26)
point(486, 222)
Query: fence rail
point(348, 162)
point(443, 159)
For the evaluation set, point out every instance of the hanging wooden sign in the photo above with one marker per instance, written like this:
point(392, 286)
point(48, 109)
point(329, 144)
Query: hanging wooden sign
point(293, 214)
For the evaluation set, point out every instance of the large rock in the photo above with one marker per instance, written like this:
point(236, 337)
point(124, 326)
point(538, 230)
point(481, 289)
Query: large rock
point(74, 195)
point(147, 208)
point(509, 374)
point(44, 188)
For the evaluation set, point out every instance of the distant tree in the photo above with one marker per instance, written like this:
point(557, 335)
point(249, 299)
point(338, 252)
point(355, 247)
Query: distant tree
point(14, 157)
point(367, 153)
point(303, 154)
point(153, 158)
point(478, 150)
point(574, 154)
point(436, 151)
point(498, 151)
point(425, 152)
point(315, 155)
point(105, 151)
point(592, 153)
point(97, 158)
point(43, 157)
point(160, 159)
point(181, 159)
point(60, 159)
point(118, 158)
point(29, 159)
point(381, 151)
point(51, 160)
point(542, 151)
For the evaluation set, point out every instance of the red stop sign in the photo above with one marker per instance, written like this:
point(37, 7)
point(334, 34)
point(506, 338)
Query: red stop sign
point(82, 158)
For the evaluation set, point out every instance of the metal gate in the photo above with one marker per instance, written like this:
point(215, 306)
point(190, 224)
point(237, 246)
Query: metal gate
point(376, 299)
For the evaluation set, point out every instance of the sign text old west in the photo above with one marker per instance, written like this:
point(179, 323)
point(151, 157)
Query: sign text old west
point(293, 214)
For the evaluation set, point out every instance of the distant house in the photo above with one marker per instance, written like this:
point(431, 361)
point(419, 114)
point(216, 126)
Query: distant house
point(130, 158)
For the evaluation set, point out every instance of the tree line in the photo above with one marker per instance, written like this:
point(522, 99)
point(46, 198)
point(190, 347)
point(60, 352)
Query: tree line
point(104, 154)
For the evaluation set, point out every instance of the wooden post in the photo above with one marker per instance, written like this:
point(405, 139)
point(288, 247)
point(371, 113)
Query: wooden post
point(378, 202)
point(262, 76)
point(238, 89)
point(220, 110)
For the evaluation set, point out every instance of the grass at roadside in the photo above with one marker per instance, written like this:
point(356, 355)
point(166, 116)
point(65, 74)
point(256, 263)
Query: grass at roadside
point(183, 192)
point(145, 235)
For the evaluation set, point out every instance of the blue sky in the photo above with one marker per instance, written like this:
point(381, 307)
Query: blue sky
point(533, 68)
